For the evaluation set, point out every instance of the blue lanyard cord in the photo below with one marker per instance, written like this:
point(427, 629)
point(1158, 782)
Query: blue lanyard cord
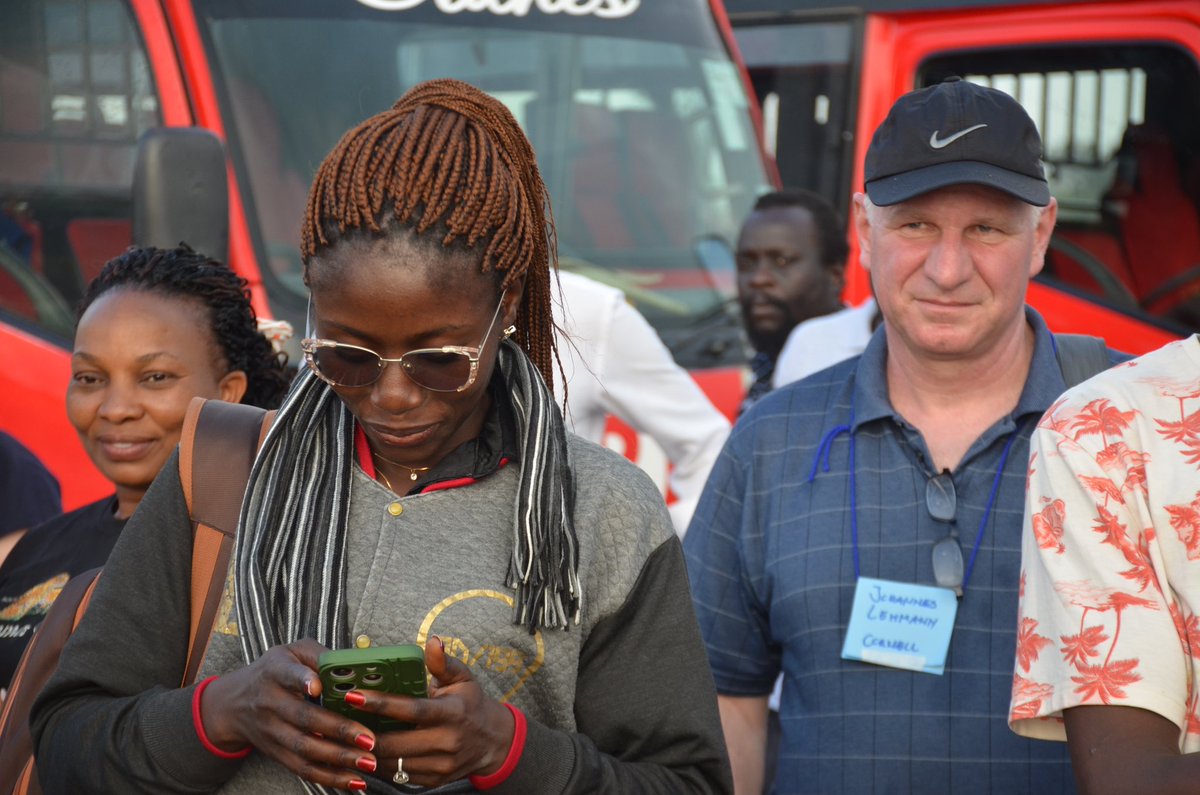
point(987, 512)
point(827, 444)
point(853, 508)
point(823, 452)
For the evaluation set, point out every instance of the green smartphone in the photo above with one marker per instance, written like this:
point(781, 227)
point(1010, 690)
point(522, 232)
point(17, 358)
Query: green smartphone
point(392, 669)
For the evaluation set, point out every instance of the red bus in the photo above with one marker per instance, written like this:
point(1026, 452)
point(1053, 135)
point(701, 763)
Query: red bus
point(640, 116)
point(1113, 86)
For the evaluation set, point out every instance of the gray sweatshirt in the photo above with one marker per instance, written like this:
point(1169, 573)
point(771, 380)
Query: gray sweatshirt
point(622, 703)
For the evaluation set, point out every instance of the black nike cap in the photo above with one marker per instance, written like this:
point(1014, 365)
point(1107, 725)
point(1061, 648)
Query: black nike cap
point(955, 133)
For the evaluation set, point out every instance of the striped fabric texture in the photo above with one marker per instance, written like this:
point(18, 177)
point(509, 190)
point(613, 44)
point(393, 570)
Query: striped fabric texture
point(772, 569)
point(290, 553)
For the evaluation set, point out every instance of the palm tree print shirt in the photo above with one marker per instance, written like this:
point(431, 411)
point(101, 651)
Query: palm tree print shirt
point(1111, 551)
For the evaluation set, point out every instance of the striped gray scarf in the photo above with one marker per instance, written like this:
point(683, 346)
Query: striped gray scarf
point(290, 554)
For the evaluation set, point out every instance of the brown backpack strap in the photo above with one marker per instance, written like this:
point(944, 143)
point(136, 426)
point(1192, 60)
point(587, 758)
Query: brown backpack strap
point(216, 452)
point(27, 783)
point(33, 671)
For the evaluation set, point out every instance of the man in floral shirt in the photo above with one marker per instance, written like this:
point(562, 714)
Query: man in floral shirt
point(1108, 638)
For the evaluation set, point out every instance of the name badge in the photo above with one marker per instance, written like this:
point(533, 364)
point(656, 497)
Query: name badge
point(901, 625)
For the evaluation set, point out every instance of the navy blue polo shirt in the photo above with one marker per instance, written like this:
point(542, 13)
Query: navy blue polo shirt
point(772, 568)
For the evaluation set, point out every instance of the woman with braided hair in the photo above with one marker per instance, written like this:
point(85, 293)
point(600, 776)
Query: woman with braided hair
point(156, 328)
point(417, 486)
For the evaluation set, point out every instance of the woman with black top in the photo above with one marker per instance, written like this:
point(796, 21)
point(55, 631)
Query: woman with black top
point(417, 486)
point(156, 328)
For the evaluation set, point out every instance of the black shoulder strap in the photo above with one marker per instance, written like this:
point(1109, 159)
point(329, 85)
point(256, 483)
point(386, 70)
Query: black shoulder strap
point(1080, 356)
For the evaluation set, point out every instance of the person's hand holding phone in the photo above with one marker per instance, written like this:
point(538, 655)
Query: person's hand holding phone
point(458, 730)
point(266, 705)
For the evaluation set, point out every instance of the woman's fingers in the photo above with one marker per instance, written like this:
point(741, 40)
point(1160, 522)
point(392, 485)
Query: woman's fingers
point(432, 756)
point(459, 730)
point(307, 652)
point(266, 704)
point(438, 754)
point(444, 669)
point(320, 746)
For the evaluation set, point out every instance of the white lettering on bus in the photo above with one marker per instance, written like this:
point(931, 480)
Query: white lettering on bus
point(605, 9)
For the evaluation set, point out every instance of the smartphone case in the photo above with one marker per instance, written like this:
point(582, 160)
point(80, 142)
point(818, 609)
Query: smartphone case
point(392, 669)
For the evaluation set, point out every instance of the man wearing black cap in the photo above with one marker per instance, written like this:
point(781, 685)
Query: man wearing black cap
point(861, 531)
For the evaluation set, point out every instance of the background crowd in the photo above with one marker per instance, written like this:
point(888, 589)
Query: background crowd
point(907, 566)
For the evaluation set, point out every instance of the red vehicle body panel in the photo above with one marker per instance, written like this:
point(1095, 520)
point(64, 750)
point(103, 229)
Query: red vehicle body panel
point(894, 45)
point(208, 115)
point(38, 419)
point(726, 29)
point(44, 368)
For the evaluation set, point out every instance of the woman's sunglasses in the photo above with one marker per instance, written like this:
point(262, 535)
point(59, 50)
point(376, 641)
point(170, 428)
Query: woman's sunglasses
point(450, 368)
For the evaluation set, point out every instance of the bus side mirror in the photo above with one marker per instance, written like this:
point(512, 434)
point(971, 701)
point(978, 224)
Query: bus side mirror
point(180, 192)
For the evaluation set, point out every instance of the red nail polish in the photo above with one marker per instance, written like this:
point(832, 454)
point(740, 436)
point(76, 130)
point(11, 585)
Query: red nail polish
point(357, 783)
point(365, 742)
point(355, 698)
point(365, 764)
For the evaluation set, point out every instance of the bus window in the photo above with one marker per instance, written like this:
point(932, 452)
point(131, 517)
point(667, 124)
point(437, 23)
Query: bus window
point(803, 74)
point(1121, 131)
point(75, 92)
point(641, 127)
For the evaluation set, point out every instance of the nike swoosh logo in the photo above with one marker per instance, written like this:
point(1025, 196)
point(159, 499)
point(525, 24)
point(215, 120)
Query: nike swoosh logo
point(941, 143)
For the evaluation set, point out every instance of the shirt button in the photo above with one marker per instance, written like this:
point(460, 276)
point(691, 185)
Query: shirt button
point(362, 642)
point(395, 509)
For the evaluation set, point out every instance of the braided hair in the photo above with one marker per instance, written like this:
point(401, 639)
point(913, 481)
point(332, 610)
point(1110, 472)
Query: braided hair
point(183, 273)
point(449, 166)
point(451, 160)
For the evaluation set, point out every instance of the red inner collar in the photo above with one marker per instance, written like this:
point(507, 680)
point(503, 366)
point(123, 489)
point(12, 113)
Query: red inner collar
point(362, 449)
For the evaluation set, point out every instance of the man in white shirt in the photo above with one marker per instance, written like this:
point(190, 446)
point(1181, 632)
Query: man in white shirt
point(823, 341)
point(616, 364)
point(791, 265)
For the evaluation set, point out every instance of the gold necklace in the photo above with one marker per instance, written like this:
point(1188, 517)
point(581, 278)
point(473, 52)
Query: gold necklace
point(412, 471)
point(386, 482)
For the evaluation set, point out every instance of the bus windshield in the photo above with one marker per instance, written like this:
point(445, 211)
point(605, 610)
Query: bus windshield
point(638, 117)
